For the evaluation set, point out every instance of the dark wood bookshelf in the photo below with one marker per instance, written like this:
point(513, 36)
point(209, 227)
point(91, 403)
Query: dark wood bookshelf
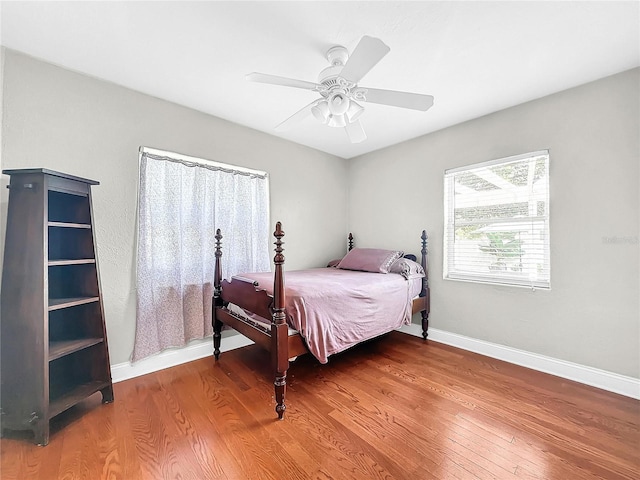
point(58, 303)
point(58, 349)
point(80, 261)
point(58, 404)
point(69, 225)
point(53, 349)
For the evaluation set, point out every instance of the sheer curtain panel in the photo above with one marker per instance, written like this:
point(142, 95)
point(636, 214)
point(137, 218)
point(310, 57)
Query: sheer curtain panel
point(181, 203)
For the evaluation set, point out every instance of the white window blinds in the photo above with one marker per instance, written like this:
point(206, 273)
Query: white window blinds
point(497, 221)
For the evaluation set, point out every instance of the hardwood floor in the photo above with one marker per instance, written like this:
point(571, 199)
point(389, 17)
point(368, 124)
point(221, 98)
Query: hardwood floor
point(395, 408)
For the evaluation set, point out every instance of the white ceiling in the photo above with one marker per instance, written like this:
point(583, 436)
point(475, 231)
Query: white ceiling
point(474, 57)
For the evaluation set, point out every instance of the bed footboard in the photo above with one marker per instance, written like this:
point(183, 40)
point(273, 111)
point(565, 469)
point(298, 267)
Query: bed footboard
point(279, 327)
point(424, 300)
point(247, 295)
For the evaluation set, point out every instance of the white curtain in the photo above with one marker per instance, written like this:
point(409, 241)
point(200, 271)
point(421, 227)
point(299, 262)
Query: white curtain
point(181, 204)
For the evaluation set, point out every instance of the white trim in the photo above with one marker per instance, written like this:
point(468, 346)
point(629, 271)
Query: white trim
point(612, 382)
point(170, 358)
point(511, 159)
point(502, 281)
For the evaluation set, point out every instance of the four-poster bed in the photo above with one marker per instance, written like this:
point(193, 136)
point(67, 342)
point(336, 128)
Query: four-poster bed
point(323, 311)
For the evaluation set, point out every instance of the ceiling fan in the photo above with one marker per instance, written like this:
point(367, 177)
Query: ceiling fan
point(340, 92)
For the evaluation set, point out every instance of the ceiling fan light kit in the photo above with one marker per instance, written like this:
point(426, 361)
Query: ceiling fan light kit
point(337, 121)
point(338, 87)
point(321, 111)
point(338, 103)
point(354, 111)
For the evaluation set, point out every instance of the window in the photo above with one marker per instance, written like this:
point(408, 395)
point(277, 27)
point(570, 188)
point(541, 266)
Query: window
point(497, 221)
point(182, 201)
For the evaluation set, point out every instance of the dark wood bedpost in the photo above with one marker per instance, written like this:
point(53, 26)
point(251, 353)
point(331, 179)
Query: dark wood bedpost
point(217, 299)
point(425, 286)
point(350, 241)
point(279, 328)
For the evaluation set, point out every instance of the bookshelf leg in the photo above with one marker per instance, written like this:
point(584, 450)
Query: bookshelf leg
point(107, 394)
point(41, 433)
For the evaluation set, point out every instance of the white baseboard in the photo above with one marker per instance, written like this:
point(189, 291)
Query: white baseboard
point(176, 356)
point(612, 382)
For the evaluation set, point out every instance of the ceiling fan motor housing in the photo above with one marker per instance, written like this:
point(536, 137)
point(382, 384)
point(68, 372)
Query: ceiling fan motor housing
point(337, 57)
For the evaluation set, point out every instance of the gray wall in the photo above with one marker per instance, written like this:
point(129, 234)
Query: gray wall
point(57, 119)
point(591, 314)
point(64, 121)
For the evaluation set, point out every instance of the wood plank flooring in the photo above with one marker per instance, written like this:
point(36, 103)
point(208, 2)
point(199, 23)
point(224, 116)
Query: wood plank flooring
point(394, 408)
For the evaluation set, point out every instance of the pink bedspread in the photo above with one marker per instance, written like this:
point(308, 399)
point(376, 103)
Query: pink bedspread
point(335, 309)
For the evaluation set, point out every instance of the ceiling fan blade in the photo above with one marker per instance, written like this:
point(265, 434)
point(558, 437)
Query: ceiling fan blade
point(296, 117)
point(276, 80)
point(415, 101)
point(366, 55)
point(355, 132)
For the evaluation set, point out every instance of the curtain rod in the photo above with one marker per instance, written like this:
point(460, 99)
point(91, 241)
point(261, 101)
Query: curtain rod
point(195, 161)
